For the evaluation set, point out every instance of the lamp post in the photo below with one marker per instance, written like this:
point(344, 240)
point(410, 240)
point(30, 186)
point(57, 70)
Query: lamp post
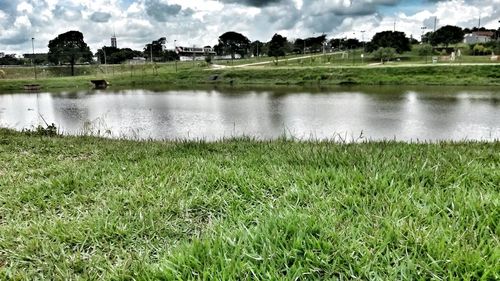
point(175, 50)
point(423, 28)
point(498, 31)
point(151, 52)
point(363, 39)
point(353, 47)
point(33, 59)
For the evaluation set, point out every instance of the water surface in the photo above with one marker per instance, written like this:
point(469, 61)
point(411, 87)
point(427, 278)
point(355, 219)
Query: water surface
point(375, 113)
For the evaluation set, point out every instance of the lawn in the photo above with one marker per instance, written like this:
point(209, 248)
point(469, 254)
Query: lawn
point(88, 208)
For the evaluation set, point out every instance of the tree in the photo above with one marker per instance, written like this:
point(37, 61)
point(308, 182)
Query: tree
point(155, 48)
point(256, 48)
point(338, 43)
point(69, 48)
point(277, 46)
point(384, 54)
point(425, 50)
point(390, 39)
point(170, 55)
point(315, 44)
point(426, 38)
point(353, 43)
point(104, 54)
point(234, 43)
point(312, 44)
point(116, 55)
point(446, 35)
point(10, 60)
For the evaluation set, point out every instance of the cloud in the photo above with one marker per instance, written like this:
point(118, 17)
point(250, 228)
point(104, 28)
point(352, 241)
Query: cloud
point(254, 3)
point(100, 17)
point(201, 22)
point(68, 13)
point(161, 11)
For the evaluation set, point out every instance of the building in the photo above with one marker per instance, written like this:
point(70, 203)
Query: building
point(194, 53)
point(478, 37)
point(113, 41)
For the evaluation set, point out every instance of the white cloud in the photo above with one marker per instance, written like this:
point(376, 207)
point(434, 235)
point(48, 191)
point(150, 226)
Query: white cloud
point(200, 22)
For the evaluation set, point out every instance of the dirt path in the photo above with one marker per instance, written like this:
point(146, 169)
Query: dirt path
point(219, 66)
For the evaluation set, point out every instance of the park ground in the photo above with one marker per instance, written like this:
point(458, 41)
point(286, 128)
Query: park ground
point(240, 209)
point(310, 70)
point(236, 209)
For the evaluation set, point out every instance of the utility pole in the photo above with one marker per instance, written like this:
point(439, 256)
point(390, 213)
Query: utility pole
point(33, 59)
point(363, 39)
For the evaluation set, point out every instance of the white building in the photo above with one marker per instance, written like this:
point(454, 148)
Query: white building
point(477, 37)
point(194, 53)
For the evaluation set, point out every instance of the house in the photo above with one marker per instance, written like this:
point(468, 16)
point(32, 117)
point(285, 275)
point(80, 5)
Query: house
point(194, 53)
point(137, 60)
point(478, 37)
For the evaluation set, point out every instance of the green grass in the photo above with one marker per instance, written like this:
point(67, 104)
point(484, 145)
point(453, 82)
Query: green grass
point(86, 208)
point(322, 70)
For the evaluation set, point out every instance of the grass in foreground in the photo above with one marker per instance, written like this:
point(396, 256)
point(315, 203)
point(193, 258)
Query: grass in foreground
point(88, 208)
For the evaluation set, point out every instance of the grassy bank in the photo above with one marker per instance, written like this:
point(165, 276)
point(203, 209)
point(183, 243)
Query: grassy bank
point(292, 74)
point(240, 209)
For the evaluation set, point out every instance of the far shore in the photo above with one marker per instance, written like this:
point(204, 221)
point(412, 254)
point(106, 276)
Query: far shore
point(293, 73)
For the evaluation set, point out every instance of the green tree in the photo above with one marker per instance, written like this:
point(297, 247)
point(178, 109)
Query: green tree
point(425, 50)
point(116, 55)
point(256, 48)
point(277, 46)
point(390, 39)
point(155, 48)
point(69, 48)
point(105, 53)
point(170, 55)
point(447, 35)
point(384, 54)
point(234, 43)
point(338, 43)
point(311, 44)
point(10, 60)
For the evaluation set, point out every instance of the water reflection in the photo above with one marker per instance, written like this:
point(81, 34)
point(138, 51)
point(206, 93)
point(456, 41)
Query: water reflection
point(436, 113)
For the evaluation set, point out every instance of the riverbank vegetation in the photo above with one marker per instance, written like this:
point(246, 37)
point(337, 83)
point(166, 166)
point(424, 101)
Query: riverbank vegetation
point(83, 207)
point(321, 70)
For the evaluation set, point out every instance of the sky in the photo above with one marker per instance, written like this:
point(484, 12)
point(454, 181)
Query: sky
point(201, 22)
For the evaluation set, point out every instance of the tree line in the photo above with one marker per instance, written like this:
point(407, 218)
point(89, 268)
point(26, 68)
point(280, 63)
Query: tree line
point(70, 47)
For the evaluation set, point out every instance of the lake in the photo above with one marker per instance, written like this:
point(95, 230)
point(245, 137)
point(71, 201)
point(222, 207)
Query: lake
point(343, 113)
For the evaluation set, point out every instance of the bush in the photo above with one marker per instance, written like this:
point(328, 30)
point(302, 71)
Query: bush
point(208, 59)
point(49, 131)
point(384, 54)
point(2, 74)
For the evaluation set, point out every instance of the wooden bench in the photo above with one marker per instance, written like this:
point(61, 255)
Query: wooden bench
point(100, 84)
point(32, 87)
